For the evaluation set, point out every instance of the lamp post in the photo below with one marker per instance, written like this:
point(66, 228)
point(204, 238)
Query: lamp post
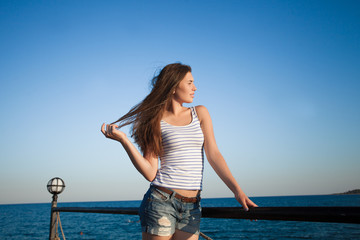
point(55, 186)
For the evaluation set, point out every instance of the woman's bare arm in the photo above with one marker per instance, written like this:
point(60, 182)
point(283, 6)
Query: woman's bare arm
point(216, 159)
point(147, 165)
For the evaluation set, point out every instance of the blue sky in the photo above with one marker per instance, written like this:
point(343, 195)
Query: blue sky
point(280, 80)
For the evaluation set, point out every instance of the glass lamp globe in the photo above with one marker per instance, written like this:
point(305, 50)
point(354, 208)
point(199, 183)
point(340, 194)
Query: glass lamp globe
point(56, 186)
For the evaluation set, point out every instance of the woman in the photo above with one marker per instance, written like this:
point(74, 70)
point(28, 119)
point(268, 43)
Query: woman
point(163, 128)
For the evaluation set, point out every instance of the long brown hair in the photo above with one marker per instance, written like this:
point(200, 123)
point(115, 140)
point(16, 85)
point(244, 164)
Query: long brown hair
point(145, 116)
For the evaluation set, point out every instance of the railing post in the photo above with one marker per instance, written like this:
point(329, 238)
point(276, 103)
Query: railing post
point(55, 186)
point(53, 234)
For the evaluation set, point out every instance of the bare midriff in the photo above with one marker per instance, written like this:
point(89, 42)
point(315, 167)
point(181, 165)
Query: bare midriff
point(187, 193)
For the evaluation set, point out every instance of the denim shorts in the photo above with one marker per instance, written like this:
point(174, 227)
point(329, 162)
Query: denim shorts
point(161, 213)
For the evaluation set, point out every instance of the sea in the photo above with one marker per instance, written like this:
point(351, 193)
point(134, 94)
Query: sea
point(32, 221)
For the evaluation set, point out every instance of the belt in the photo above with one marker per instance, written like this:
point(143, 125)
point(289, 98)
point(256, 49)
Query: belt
point(178, 196)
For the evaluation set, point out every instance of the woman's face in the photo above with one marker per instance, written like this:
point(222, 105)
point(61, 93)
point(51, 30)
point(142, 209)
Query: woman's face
point(184, 92)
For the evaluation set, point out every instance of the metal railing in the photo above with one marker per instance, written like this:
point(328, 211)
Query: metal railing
point(308, 214)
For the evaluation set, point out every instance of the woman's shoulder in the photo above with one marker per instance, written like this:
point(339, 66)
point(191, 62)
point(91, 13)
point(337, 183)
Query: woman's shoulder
point(202, 112)
point(200, 108)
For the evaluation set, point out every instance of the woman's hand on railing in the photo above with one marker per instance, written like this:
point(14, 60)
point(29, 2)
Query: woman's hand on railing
point(244, 201)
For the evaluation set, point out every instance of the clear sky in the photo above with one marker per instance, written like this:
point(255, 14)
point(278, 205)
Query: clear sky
point(281, 80)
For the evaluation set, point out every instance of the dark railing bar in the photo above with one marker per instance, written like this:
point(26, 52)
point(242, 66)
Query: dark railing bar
point(309, 214)
point(108, 210)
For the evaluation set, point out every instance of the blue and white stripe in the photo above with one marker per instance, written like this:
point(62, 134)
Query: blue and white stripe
point(182, 162)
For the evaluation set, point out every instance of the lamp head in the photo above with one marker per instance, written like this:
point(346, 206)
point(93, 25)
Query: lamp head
point(56, 186)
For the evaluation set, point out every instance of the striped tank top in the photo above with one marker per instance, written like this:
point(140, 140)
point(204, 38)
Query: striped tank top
point(182, 161)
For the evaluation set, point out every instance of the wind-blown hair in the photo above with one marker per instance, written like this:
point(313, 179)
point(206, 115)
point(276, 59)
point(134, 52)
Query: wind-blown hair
point(145, 117)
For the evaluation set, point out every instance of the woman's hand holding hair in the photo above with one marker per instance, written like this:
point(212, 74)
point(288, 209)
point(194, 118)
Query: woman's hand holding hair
point(111, 131)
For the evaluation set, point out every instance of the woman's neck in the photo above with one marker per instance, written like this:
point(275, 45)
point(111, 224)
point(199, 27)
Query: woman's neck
point(175, 108)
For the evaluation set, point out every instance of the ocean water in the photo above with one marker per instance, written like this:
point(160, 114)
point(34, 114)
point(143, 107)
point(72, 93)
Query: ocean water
point(32, 221)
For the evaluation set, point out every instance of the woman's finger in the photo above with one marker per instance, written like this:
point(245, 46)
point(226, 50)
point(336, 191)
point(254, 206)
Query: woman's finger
point(243, 203)
point(103, 128)
point(112, 126)
point(251, 203)
point(108, 130)
point(245, 207)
